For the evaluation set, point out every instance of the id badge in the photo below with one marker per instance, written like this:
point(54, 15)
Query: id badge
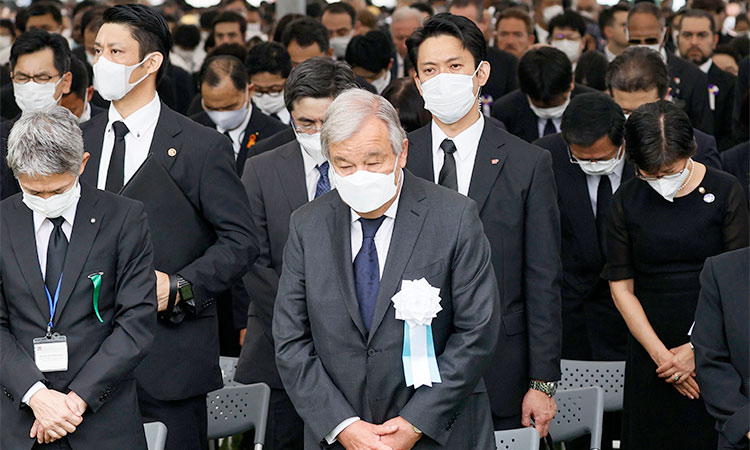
point(51, 353)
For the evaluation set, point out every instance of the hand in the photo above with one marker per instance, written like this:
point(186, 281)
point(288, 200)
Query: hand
point(403, 439)
point(162, 291)
point(37, 431)
point(76, 403)
point(365, 436)
point(688, 387)
point(242, 336)
point(536, 404)
point(52, 411)
point(680, 361)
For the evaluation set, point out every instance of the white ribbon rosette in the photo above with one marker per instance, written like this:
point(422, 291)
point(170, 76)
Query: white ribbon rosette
point(417, 303)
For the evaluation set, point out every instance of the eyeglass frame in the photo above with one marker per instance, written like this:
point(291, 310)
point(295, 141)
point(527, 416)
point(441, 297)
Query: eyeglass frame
point(34, 78)
point(575, 160)
point(306, 130)
point(669, 176)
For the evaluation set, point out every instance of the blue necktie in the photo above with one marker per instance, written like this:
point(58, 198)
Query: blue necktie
point(367, 270)
point(324, 185)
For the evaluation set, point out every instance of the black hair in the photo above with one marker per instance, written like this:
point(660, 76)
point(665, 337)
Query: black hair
point(448, 24)
point(186, 36)
point(83, 5)
point(591, 116)
point(371, 51)
point(544, 73)
point(92, 18)
point(244, 3)
point(591, 70)
point(44, 8)
point(424, 8)
point(699, 14)
point(36, 40)
point(568, 19)
point(638, 69)
point(477, 4)
point(81, 79)
point(278, 31)
point(342, 8)
point(741, 45)
point(607, 16)
point(658, 134)
point(714, 6)
point(649, 8)
point(402, 93)
point(237, 50)
point(317, 78)
point(207, 18)
point(147, 27)
point(231, 16)
point(269, 57)
point(216, 68)
point(306, 31)
point(7, 23)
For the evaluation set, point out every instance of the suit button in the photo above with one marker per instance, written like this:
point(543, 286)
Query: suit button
point(371, 352)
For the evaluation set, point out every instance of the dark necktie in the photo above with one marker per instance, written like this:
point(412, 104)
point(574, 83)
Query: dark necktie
point(58, 246)
point(116, 171)
point(549, 128)
point(367, 270)
point(448, 176)
point(603, 195)
point(324, 184)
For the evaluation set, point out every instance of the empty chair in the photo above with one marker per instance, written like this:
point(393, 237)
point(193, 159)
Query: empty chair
point(518, 439)
point(608, 375)
point(579, 412)
point(236, 409)
point(228, 366)
point(156, 435)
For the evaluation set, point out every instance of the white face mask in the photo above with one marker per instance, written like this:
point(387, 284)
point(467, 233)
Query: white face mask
point(550, 12)
point(86, 114)
point(310, 143)
point(56, 204)
point(668, 187)
point(339, 44)
point(228, 120)
point(365, 191)
point(449, 96)
point(572, 49)
point(601, 167)
point(5, 42)
point(381, 83)
point(111, 80)
point(32, 96)
point(269, 103)
point(90, 59)
point(554, 112)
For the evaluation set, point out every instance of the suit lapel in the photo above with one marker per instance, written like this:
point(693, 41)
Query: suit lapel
point(487, 165)
point(164, 146)
point(579, 210)
point(291, 172)
point(23, 242)
point(94, 141)
point(420, 153)
point(410, 218)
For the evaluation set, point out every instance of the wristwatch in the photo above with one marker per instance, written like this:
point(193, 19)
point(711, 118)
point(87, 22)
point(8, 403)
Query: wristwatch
point(548, 387)
point(185, 289)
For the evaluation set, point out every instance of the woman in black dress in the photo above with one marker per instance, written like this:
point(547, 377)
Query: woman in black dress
point(662, 226)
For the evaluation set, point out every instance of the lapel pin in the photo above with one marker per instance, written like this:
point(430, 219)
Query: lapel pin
point(495, 161)
point(709, 198)
point(171, 152)
point(93, 220)
point(702, 190)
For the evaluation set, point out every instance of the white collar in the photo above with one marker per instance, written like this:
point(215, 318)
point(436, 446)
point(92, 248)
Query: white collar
point(140, 121)
point(391, 211)
point(706, 66)
point(663, 53)
point(466, 142)
point(308, 161)
point(609, 54)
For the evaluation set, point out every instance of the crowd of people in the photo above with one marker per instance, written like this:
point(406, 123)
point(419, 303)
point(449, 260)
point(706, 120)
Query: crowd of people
point(400, 220)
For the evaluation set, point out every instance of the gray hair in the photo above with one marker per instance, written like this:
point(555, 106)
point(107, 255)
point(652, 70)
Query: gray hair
point(344, 117)
point(45, 143)
point(407, 13)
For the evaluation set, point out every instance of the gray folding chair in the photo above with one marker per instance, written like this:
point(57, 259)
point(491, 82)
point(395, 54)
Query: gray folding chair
point(236, 409)
point(156, 435)
point(579, 412)
point(608, 375)
point(518, 439)
point(228, 366)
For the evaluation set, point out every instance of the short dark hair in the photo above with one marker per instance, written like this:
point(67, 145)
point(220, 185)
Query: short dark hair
point(147, 27)
point(590, 116)
point(446, 24)
point(7, 23)
point(207, 17)
point(658, 134)
point(244, 3)
point(234, 49)
point(402, 93)
point(92, 18)
point(44, 8)
point(282, 24)
point(544, 73)
point(517, 12)
point(306, 31)
point(591, 70)
point(371, 51)
point(424, 8)
point(638, 69)
point(713, 6)
point(270, 57)
point(216, 68)
point(36, 40)
point(647, 8)
point(698, 14)
point(607, 16)
point(317, 78)
point(478, 4)
point(342, 8)
point(85, 4)
point(81, 79)
point(568, 19)
point(740, 45)
point(229, 17)
point(187, 36)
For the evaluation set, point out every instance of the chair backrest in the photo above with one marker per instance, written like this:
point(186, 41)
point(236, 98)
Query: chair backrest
point(608, 375)
point(579, 412)
point(236, 409)
point(228, 366)
point(156, 435)
point(518, 439)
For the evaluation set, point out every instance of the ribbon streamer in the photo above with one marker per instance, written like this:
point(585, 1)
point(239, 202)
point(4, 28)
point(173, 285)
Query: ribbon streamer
point(420, 363)
point(96, 280)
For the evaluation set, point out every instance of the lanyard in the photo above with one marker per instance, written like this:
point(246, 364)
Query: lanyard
point(52, 304)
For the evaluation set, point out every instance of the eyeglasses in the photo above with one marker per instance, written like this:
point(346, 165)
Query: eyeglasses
point(575, 160)
point(309, 129)
point(273, 94)
point(22, 78)
point(644, 41)
point(670, 176)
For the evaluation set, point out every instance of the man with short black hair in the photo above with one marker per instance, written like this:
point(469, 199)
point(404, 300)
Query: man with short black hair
point(566, 33)
point(229, 28)
point(340, 19)
point(44, 16)
point(369, 57)
point(613, 22)
point(306, 38)
point(268, 66)
point(78, 100)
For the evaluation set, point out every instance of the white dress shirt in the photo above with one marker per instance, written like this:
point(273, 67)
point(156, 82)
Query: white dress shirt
point(400, 66)
point(43, 228)
point(608, 53)
point(382, 244)
point(312, 174)
point(592, 182)
point(466, 144)
point(238, 134)
point(141, 125)
point(542, 122)
point(284, 116)
point(706, 66)
point(541, 34)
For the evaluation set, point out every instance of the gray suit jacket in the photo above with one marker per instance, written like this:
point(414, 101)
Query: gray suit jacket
point(334, 369)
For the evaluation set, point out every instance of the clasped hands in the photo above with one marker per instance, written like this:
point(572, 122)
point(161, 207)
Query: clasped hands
point(56, 414)
point(395, 434)
point(679, 362)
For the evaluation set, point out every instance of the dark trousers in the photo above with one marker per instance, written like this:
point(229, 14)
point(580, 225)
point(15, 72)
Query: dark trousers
point(284, 430)
point(61, 444)
point(186, 420)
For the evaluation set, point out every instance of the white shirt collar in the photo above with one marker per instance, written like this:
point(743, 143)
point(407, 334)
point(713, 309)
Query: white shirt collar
point(140, 121)
point(706, 66)
point(69, 215)
point(466, 142)
point(308, 162)
point(391, 211)
point(609, 54)
point(663, 53)
point(541, 34)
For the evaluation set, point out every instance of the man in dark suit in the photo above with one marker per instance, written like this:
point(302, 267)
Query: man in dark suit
point(404, 21)
point(183, 364)
point(340, 327)
point(513, 185)
point(535, 110)
point(689, 86)
point(91, 252)
point(8, 183)
point(639, 76)
point(277, 183)
point(720, 338)
point(226, 94)
point(78, 100)
point(736, 161)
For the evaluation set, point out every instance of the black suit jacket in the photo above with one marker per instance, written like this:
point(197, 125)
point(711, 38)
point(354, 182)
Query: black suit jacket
point(514, 111)
point(110, 236)
point(184, 361)
point(503, 77)
point(8, 183)
point(721, 337)
point(514, 188)
point(724, 105)
point(284, 136)
point(8, 107)
point(690, 91)
point(706, 151)
point(736, 161)
point(276, 187)
point(258, 128)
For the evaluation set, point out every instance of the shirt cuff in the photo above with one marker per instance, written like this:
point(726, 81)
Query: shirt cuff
point(331, 437)
point(38, 386)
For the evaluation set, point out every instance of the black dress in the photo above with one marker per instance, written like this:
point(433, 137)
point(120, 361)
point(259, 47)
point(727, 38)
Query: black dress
point(663, 246)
